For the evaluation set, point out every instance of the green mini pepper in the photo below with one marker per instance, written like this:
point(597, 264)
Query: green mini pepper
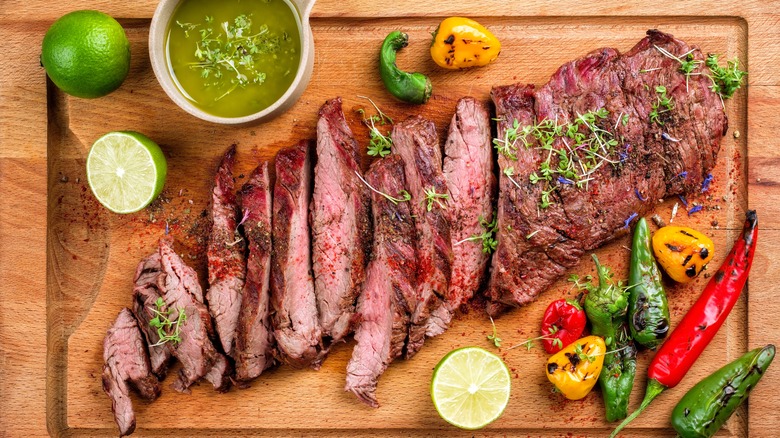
point(648, 310)
point(706, 406)
point(408, 87)
point(606, 307)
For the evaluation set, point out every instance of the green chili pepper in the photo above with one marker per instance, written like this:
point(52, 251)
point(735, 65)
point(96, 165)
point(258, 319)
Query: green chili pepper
point(606, 307)
point(648, 310)
point(706, 406)
point(408, 87)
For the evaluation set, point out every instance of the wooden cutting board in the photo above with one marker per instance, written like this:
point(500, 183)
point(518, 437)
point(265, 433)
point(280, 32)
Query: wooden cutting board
point(66, 264)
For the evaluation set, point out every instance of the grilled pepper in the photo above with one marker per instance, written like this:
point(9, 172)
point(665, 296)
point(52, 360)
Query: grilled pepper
point(607, 307)
point(648, 310)
point(697, 328)
point(682, 252)
point(462, 43)
point(706, 406)
point(408, 87)
point(563, 323)
point(575, 369)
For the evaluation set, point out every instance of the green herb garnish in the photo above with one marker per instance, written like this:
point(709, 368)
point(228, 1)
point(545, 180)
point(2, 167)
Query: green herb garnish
point(663, 104)
point(489, 243)
point(379, 144)
point(725, 81)
point(403, 195)
point(494, 337)
point(167, 330)
point(435, 198)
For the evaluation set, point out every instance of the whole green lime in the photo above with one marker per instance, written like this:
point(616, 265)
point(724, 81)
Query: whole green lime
point(86, 54)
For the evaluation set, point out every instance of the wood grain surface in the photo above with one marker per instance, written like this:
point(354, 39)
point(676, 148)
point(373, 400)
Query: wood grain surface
point(66, 264)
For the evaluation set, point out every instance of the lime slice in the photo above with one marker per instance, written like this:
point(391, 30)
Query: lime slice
point(126, 171)
point(470, 387)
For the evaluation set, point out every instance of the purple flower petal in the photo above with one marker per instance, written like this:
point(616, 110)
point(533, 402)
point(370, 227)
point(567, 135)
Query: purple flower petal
point(695, 209)
point(705, 185)
point(683, 200)
point(630, 218)
point(639, 195)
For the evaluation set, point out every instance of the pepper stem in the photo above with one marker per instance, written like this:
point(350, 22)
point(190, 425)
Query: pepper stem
point(654, 388)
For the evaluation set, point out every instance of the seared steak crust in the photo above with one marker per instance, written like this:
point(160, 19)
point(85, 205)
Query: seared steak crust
point(125, 361)
point(182, 293)
point(254, 337)
point(383, 306)
point(415, 140)
point(227, 265)
point(341, 232)
point(295, 320)
point(653, 159)
point(468, 169)
point(145, 295)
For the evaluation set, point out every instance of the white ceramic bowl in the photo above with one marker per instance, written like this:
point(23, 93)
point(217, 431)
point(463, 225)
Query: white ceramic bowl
point(158, 56)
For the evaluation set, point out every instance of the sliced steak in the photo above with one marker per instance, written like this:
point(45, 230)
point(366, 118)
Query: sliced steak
point(341, 232)
point(294, 316)
point(254, 337)
point(226, 261)
point(468, 169)
point(125, 362)
point(145, 296)
point(652, 160)
point(415, 140)
point(181, 292)
point(383, 306)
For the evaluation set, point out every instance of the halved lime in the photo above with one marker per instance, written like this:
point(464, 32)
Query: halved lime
point(126, 171)
point(470, 387)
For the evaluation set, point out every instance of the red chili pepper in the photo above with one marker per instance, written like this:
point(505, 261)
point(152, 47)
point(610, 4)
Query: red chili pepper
point(565, 320)
point(699, 325)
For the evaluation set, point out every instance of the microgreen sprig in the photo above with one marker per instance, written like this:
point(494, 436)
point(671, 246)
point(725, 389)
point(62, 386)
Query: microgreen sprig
point(167, 330)
point(663, 104)
point(489, 243)
point(403, 194)
point(725, 80)
point(433, 198)
point(494, 337)
point(528, 344)
point(379, 144)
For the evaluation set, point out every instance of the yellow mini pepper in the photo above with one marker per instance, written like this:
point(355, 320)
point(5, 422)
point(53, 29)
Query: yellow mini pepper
point(462, 43)
point(575, 369)
point(683, 252)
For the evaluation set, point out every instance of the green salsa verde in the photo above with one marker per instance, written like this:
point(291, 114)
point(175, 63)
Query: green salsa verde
point(233, 58)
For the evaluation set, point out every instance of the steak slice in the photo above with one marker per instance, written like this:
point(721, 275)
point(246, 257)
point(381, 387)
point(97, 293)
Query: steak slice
point(652, 159)
point(415, 140)
point(468, 169)
point(181, 292)
point(294, 316)
point(254, 337)
point(226, 261)
point(145, 296)
point(341, 232)
point(125, 361)
point(383, 306)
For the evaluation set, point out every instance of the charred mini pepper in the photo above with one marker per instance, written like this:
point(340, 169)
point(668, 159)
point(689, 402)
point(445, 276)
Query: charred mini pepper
point(462, 43)
point(408, 87)
point(699, 325)
point(706, 406)
point(607, 307)
point(575, 369)
point(683, 252)
point(562, 324)
point(648, 310)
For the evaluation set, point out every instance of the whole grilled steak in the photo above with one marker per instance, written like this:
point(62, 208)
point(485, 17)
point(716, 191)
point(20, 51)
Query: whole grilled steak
point(294, 315)
point(341, 232)
point(468, 169)
point(126, 364)
point(184, 299)
point(254, 337)
point(657, 150)
point(145, 296)
point(383, 306)
point(415, 140)
point(227, 266)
